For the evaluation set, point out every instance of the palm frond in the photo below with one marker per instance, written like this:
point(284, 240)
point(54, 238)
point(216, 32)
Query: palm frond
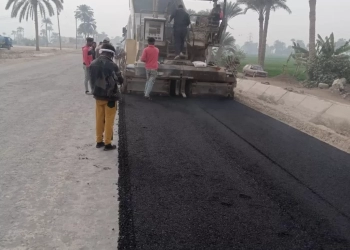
point(23, 11)
point(279, 4)
point(42, 10)
point(49, 7)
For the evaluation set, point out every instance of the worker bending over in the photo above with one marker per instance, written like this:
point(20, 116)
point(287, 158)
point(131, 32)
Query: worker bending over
point(181, 22)
point(105, 77)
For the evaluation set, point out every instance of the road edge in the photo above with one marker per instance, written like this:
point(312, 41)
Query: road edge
point(126, 222)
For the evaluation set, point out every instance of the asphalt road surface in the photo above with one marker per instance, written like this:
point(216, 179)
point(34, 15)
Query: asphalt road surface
point(215, 174)
point(193, 174)
point(57, 190)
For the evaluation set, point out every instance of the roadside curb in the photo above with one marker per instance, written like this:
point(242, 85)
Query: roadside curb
point(333, 115)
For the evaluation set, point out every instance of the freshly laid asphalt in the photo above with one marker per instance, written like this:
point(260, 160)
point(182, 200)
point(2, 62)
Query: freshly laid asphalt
point(215, 174)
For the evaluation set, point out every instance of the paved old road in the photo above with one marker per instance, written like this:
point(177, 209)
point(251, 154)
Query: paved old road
point(199, 174)
point(57, 190)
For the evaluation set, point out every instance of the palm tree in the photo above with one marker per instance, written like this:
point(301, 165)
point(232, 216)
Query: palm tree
point(31, 8)
point(271, 5)
point(85, 15)
point(43, 32)
point(49, 29)
point(259, 7)
point(46, 21)
point(20, 33)
point(59, 28)
point(87, 28)
point(14, 33)
point(312, 31)
point(233, 10)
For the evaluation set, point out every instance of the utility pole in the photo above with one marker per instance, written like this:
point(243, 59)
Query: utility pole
point(76, 33)
point(59, 28)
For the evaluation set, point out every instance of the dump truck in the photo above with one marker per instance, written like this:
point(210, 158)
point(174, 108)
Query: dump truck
point(181, 77)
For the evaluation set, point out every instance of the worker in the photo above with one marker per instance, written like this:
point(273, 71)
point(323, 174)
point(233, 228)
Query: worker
point(181, 22)
point(105, 41)
point(87, 59)
point(105, 77)
point(150, 58)
point(93, 50)
point(216, 15)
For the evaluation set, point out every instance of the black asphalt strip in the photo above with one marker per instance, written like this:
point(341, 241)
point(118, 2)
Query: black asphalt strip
point(209, 174)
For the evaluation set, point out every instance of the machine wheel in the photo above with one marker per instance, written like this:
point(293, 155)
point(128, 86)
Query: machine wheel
point(188, 89)
point(172, 88)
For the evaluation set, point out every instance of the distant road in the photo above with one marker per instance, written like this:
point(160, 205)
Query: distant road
point(57, 190)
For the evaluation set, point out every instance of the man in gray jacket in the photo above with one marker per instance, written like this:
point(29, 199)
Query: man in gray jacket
point(181, 22)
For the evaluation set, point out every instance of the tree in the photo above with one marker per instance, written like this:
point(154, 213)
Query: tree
point(59, 28)
point(327, 47)
point(20, 34)
point(227, 44)
point(14, 33)
point(340, 42)
point(49, 29)
point(250, 48)
point(232, 10)
point(85, 15)
point(31, 8)
point(259, 7)
point(312, 30)
point(280, 47)
point(271, 5)
point(46, 21)
point(55, 38)
point(4, 33)
point(299, 42)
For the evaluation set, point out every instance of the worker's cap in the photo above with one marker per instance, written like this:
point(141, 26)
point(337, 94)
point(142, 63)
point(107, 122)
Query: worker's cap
point(106, 40)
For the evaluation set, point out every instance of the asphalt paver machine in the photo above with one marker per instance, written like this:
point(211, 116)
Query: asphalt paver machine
point(175, 77)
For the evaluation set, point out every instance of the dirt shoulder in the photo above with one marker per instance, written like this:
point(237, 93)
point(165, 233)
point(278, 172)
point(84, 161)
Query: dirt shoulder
point(292, 85)
point(19, 54)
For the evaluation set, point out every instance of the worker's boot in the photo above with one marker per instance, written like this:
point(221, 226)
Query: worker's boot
point(182, 54)
point(177, 57)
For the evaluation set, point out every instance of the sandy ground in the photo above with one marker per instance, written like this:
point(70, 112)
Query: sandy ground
point(19, 54)
point(295, 86)
point(57, 190)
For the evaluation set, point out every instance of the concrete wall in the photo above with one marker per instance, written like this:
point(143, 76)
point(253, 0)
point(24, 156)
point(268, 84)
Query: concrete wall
point(323, 112)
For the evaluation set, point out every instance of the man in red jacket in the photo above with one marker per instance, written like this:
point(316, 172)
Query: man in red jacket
point(150, 57)
point(87, 59)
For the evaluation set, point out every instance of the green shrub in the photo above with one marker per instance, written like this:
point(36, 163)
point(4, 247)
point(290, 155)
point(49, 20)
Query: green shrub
point(327, 69)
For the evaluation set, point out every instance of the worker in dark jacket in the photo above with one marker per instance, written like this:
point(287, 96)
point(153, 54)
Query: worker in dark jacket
point(105, 77)
point(181, 21)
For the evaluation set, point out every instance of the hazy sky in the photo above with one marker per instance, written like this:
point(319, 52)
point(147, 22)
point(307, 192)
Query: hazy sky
point(112, 15)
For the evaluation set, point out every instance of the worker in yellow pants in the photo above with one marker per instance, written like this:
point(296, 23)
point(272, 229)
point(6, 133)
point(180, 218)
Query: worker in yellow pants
point(105, 77)
point(105, 115)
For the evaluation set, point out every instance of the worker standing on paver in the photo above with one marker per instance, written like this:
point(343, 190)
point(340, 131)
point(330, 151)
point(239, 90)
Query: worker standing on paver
point(181, 22)
point(87, 59)
point(105, 77)
point(150, 58)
